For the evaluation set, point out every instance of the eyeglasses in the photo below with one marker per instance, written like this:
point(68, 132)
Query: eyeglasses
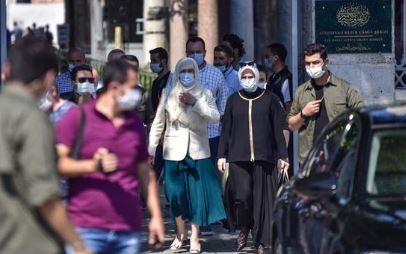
point(248, 63)
point(83, 80)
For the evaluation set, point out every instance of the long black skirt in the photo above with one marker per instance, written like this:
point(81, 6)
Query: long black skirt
point(249, 195)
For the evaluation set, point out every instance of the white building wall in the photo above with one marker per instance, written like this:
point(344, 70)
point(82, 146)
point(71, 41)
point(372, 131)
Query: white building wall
point(41, 14)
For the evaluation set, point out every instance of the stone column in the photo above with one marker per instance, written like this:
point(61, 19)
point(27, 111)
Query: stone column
point(96, 35)
point(3, 39)
point(178, 29)
point(242, 24)
point(207, 27)
point(155, 14)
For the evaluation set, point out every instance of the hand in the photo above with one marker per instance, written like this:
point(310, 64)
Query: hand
point(312, 108)
point(221, 164)
point(84, 251)
point(109, 161)
point(283, 165)
point(187, 99)
point(156, 235)
point(151, 160)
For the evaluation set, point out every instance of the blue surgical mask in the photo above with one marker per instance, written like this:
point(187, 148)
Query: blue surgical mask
point(268, 64)
point(186, 78)
point(156, 67)
point(198, 57)
point(222, 67)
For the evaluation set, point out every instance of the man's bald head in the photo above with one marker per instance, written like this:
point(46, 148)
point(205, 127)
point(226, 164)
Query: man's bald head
point(115, 54)
point(76, 56)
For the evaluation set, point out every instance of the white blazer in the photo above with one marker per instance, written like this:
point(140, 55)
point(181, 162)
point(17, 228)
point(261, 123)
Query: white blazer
point(181, 139)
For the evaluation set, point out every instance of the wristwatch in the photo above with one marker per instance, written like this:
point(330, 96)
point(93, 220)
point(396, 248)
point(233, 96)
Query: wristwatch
point(303, 116)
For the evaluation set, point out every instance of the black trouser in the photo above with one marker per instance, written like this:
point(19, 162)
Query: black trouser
point(250, 192)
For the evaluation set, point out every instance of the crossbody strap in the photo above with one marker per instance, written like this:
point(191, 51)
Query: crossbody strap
point(74, 154)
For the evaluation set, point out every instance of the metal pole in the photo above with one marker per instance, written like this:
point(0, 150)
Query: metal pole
point(295, 75)
point(3, 38)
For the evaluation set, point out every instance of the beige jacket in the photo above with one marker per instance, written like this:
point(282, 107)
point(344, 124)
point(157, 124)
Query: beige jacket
point(186, 134)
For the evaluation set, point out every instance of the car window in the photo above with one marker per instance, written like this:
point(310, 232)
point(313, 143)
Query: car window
point(347, 158)
point(387, 164)
point(323, 153)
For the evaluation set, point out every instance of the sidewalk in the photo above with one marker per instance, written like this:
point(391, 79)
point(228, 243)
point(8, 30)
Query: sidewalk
point(221, 242)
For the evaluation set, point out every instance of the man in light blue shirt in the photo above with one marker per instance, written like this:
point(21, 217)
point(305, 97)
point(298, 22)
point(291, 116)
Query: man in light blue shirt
point(223, 58)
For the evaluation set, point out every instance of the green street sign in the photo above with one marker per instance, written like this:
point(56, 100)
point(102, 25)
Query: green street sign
point(357, 26)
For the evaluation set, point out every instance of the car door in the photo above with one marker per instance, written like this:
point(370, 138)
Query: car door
point(334, 150)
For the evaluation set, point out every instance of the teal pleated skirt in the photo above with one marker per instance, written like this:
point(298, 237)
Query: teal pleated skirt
point(193, 190)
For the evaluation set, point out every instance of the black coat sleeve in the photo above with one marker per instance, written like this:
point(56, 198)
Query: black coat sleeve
point(278, 116)
point(227, 122)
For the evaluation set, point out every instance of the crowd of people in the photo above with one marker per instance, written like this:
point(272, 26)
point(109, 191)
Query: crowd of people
point(219, 135)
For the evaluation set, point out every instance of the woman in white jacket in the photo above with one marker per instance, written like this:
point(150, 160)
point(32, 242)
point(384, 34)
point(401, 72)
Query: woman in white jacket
point(192, 185)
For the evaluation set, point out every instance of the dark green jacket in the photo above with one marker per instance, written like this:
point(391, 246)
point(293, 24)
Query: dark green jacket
point(338, 97)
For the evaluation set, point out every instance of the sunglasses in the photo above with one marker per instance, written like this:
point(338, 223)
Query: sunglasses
point(83, 80)
point(248, 63)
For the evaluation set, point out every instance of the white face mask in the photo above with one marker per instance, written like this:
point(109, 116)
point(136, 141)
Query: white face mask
point(130, 100)
point(316, 71)
point(262, 85)
point(85, 87)
point(249, 85)
point(45, 102)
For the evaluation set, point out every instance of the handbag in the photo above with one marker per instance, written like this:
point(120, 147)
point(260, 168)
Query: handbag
point(283, 176)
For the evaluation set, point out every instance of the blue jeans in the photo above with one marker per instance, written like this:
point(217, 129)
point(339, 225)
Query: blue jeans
point(102, 241)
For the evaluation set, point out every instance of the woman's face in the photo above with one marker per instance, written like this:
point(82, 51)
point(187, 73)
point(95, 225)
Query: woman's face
point(188, 69)
point(247, 74)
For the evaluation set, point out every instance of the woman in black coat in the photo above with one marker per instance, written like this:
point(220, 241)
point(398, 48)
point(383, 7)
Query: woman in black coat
point(253, 143)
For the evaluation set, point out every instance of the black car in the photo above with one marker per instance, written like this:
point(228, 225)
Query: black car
point(350, 194)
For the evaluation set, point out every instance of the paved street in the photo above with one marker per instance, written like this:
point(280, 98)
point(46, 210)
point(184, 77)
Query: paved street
point(220, 242)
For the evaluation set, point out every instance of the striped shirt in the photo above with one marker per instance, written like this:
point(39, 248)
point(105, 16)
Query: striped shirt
point(64, 83)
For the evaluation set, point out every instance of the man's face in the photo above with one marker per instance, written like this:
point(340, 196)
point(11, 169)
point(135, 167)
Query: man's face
point(154, 58)
point(83, 76)
point(221, 58)
point(262, 77)
point(314, 60)
point(132, 78)
point(76, 58)
point(271, 57)
point(195, 48)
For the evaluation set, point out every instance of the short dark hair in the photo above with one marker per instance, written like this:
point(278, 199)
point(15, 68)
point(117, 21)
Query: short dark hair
point(262, 68)
point(236, 43)
point(278, 49)
point(131, 58)
point(76, 69)
point(316, 48)
point(162, 53)
point(196, 39)
point(224, 48)
point(30, 59)
point(115, 70)
point(115, 54)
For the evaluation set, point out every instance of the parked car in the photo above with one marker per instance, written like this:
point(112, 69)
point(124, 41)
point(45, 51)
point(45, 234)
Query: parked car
point(350, 194)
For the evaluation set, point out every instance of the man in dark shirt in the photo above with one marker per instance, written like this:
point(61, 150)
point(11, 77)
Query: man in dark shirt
point(159, 65)
point(319, 100)
point(280, 81)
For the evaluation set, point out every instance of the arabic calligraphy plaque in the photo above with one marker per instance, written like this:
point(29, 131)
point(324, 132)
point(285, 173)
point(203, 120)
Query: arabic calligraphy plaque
point(354, 26)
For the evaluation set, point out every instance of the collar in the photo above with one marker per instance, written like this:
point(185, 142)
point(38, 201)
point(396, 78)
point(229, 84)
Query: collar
point(229, 71)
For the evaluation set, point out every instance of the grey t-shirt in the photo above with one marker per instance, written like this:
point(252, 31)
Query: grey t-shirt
point(28, 178)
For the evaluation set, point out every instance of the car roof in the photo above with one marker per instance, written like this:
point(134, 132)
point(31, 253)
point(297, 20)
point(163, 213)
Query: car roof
point(385, 114)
